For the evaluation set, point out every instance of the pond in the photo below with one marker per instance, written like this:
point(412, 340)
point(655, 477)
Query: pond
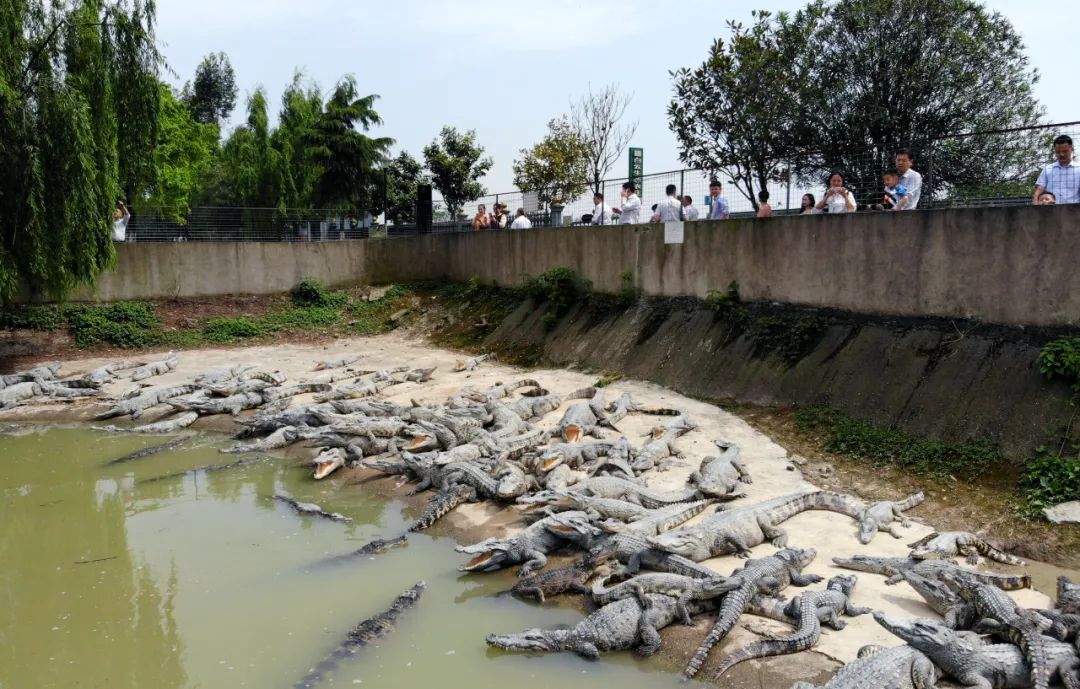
point(111, 576)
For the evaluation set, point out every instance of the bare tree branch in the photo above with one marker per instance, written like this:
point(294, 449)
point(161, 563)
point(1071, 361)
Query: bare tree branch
point(596, 120)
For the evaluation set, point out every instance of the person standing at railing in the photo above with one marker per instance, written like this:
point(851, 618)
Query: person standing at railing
point(121, 216)
point(630, 211)
point(1062, 178)
point(602, 213)
point(837, 198)
point(911, 181)
point(689, 212)
point(764, 210)
point(718, 207)
point(808, 205)
point(497, 220)
point(1047, 198)
point(521, 222)
point(670, 209)
point(481, 221)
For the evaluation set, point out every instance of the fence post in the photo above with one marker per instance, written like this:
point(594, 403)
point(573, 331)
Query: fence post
point(787, 203)
point(930, 179)
point(682, 184)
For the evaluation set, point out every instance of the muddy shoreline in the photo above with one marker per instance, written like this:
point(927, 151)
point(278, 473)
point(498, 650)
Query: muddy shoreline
point(772, 465)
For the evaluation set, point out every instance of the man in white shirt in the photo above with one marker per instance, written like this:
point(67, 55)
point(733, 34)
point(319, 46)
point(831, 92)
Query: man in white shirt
point(1062, 179)
point(670, 209)
point(121, 216)
point(521, 222)
point(602, 213)
point(911, 180)
point(630, 212)
point(689, 212)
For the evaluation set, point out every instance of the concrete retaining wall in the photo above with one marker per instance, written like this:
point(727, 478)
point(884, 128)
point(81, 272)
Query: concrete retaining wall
point(1013, 265)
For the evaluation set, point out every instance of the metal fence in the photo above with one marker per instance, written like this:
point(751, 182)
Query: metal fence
point(958, 170)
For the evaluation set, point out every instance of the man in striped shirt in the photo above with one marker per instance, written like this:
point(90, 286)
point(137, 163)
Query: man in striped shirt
point(1062, 178)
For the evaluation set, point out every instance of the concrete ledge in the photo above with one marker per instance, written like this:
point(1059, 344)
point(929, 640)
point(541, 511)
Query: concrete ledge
point(1009, 265)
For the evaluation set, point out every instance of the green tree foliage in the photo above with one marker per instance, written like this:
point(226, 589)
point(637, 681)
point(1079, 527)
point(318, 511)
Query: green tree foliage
point(889, 73)
point(558, 168)
point(737, 114)
point(183, 157)
point(403, 175)
point(251, 167)
point(301, 106)
point(78, 120)
point(212, 96)
point(456, 163)
point(347, 158)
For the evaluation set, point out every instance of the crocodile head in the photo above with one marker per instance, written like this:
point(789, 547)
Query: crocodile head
point(929, 636)
point(798, 558)
point(552, 458)
point(572, 433)
point(512, 482)
point(845, 583)
point(421, 439)
point(868, 527)
point(489, 560)
point(600, 554)
point(862, 563)
point(573, 526)
point(1068, 596)
point(690, 543)
point(930, 589)
point(537, 640)
point(328, 462)
point(540, 499)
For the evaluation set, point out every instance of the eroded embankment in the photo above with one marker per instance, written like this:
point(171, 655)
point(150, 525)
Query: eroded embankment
point(948, 380)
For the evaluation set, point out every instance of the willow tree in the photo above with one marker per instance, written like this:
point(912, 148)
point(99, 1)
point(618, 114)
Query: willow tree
point(78, 115)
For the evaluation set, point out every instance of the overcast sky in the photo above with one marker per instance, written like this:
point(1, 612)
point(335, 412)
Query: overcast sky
point(505, 67)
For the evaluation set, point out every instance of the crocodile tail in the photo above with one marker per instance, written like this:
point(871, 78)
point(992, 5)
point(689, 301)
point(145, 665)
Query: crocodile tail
point(438, 508)
point(582, 394)
point(760, 649)
point(999, 555)
point(911, 501)
point(1033, 645)
point(524, 383)
point(730, 611)
point(1005, 582)
point(835, 502)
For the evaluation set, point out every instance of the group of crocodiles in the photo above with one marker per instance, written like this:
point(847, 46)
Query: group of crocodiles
point(641, 566)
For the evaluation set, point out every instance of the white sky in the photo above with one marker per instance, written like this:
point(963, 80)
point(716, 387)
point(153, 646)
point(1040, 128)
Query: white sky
point(505, 67)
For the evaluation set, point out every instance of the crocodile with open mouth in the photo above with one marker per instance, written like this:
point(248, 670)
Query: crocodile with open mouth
point(531, 546)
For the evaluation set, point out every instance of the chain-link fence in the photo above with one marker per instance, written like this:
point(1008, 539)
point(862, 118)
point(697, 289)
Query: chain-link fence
point(997, 167)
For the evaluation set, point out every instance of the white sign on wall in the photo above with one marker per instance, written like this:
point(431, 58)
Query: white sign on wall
point(673, 232)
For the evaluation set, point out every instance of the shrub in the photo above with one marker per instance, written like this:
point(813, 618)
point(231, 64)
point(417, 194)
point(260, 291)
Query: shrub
point(1049, 479)
point(311, 292)
point(302, 319)
point(33, 318)
point(123, 324)
point(226, 330)
point(1061, 358)
point(560, 287)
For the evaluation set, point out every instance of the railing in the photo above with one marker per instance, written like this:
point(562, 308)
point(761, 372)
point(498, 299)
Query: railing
point(984, 180)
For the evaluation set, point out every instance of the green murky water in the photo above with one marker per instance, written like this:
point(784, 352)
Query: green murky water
point(202, 580)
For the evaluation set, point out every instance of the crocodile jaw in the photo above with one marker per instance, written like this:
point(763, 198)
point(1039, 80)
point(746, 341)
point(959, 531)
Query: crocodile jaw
point(572, 433)
point(326, 467)
point(485, 562)
point(530, 640)
point(421, 443)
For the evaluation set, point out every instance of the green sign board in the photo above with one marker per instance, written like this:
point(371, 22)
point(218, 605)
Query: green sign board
point(637, 168)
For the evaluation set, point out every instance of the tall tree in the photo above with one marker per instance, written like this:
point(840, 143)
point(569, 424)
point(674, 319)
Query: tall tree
point(183, 157)
point(78, 119)
point(737, 115)
point(891, 73)
point(348, 159)
point(251, 167)
point(597, 121)
point(403, 175)
point(212, 96)
point(457, 163)
point(557, 168)
point(301, 107)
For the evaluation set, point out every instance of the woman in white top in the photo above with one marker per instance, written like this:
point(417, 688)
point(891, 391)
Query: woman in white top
point(837, 198)
point(121, 216)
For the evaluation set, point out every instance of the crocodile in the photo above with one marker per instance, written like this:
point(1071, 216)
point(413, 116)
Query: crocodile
point(721, 477)
point(340, 362)
point(738, 530)
point(381, 428)
point(370, 407)
point(235, 387)
point(899, 667)
point(559, 478)
point(170, 425)
point(282, 437)
point(501, 390)
point(275, 393)
point(772, 574)
point(661, 519)
point(471, 364)
point(634, 552)
point(106, 373)
point(310, 508)
point(567, 579)
point(220, 375)
point(16, 393)
point(534, 408)
point(419, 375)
point(952, 543)
point(225, 405)
point(892, 567)
point(653, 453)
point(441, 505)
point(958, 613)
point(998, 613)
point(513, 482)
point(622, 625)
point(207, 468)
point(880, 517)
point(269, 377)
point(505, 421)
point(599, 508)
point(362, 635)
point(355, 391)
point(680, 425)
point(682, 588)
point(148, 451)
point(155, 368)
point(1068, 596)
point(622, 489)
point(327, 462)
point(579, 420)
point(624, 404)
point(376, 546)
point(966, 658)
point(529, 547)
point(810, 609)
